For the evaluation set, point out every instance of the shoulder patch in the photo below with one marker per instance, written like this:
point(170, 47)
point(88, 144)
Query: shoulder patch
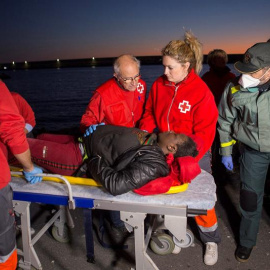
point(235, 89)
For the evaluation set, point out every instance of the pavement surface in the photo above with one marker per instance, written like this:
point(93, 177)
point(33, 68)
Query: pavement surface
point(72, 255)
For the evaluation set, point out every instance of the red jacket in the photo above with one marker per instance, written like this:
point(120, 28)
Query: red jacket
point(182, 170)
point(187, 107)
point(25, 110)
point(113, 105)
point(11, 132)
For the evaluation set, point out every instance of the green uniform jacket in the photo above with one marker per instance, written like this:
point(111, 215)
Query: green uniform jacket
point(244, 115)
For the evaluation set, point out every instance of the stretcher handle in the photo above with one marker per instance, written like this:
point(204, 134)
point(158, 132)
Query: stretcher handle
point(71, 202)
point(196, 212)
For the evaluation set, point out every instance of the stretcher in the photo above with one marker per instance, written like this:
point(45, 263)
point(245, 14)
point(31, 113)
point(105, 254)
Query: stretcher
point(173, 209)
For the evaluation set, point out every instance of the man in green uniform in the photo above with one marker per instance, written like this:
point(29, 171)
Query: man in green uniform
point(244, 115)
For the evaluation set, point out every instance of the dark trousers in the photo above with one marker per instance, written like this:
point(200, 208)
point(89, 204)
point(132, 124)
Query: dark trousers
point(7, 224)
point(253, 171)
point(208, 226)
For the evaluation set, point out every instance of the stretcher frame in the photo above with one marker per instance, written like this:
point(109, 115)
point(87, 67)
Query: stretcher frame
point(133, 212)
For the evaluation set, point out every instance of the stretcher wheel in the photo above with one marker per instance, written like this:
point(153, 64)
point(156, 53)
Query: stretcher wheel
point(62, 238)
point(167, 242)
point(188, 241)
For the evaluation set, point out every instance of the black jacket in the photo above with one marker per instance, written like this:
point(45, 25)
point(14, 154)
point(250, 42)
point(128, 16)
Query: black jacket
point(119, 162)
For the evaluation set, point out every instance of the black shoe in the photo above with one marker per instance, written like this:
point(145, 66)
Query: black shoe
point(242, 253)
point(121, 232)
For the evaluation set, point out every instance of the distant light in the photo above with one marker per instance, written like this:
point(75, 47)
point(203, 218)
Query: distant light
point(25, 62)
point(5, 67)
point(57, 60)
point(93, 58)
point(13, 63)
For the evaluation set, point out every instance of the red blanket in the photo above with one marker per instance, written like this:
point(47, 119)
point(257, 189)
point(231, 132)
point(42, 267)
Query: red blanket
point(182, 170)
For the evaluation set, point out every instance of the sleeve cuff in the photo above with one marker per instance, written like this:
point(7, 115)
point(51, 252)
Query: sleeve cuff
point(28, 127)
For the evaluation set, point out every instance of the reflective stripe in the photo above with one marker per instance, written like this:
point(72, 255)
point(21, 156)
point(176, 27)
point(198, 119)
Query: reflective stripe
point(208, 229)
point(207, 221)
point(235, 89)
point(232, 142)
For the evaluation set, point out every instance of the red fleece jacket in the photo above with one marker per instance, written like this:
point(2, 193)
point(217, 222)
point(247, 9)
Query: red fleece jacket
point(182, 170)
point(11, 132)
point(187, 107)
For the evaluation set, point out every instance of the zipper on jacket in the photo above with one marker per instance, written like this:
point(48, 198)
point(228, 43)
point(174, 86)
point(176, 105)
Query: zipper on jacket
point(132, 113)
point(175, 91)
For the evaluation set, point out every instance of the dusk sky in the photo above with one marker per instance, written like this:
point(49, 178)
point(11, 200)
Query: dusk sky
point(37, 30)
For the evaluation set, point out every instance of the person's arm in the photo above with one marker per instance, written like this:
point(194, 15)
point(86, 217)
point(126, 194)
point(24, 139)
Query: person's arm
point(146, 166)
point(12, 134)
point(227, 115)
point(26, 112)
point(94, 113)
point(28, 115)
point(204, 123)
point(25, 160)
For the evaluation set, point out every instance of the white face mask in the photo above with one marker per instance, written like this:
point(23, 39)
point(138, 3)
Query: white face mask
point(248, 81)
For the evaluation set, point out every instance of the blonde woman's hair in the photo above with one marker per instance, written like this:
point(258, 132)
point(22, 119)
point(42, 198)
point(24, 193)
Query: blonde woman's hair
point(187, 50)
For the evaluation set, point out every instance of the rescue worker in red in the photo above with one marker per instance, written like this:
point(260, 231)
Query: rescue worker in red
point(180, 101)
point(120, 100)
point(11, 135)
point(26, 112)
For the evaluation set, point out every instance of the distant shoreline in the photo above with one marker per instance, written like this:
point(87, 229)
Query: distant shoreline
point(95, 62)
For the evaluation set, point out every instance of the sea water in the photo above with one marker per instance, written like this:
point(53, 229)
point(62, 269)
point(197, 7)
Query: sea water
point(59, 96)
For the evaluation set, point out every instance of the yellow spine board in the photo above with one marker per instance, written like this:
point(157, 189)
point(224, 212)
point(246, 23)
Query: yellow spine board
point(71, 179)
point(177, 189)
point(91, 182)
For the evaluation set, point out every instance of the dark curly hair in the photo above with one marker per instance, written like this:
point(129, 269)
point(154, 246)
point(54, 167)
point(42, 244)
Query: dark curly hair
point(187, 148)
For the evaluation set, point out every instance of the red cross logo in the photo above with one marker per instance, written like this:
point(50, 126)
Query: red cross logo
point(184, 106)
point(140, 88)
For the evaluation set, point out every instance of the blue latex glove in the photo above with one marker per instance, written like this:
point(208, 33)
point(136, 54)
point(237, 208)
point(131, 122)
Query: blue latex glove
point(30, 176)
point(227, 162)
point(91, 129)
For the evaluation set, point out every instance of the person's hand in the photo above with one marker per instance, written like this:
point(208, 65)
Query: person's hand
point(227, 162)
point(30, 176)
point(91, 129)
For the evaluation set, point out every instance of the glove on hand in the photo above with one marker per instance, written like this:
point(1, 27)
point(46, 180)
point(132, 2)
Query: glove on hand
point(30, 176)
point(227, 162)
point(91, 129)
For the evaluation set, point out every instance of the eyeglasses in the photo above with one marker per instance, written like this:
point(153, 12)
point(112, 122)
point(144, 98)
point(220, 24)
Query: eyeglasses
point(130, 79)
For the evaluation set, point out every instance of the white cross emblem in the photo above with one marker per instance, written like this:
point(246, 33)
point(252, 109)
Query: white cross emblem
point(140, 88)
point(184, 106)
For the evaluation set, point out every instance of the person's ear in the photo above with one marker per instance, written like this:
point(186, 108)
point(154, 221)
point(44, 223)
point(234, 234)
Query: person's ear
point(187, 65)
point(115, 76)
point(172, 148)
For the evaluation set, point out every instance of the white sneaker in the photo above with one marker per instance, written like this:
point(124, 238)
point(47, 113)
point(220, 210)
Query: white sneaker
point(176, 250)
point(32, 230)
point(211, 253)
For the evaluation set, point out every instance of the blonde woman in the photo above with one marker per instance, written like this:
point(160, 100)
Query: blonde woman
point(180, 101)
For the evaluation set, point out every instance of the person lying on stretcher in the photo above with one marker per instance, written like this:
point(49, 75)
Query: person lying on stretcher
point(120, 158)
